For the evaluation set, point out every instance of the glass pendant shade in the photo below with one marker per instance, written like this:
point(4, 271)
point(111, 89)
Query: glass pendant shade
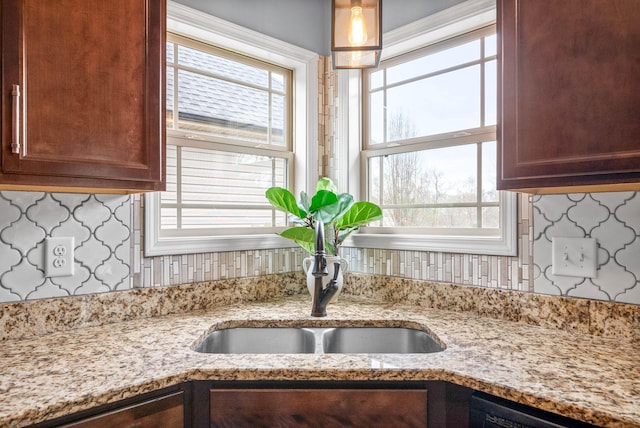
point(356, 34)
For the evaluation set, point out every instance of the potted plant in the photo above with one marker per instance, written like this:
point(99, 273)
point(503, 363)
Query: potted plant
point(339, 213)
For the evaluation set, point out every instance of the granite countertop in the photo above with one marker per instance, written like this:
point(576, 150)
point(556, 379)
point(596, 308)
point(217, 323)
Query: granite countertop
point(591, 378)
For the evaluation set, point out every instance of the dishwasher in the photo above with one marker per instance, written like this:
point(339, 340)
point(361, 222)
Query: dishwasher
point(487, 411)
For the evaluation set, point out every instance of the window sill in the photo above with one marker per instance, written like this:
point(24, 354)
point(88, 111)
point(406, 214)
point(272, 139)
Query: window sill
point(493, 246)
point(212, 244)
point(504, 245)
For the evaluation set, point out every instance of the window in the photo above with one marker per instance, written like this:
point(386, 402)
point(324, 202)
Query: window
point(430, 144)
point(228, 143)
point(234, 129)
point(428, 153)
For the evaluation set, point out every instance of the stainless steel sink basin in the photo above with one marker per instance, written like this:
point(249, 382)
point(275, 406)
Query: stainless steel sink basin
point(259, 341)
point(338, 340)
point(378, 340)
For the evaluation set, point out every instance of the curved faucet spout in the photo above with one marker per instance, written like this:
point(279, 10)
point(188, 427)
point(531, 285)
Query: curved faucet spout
point(320, 261)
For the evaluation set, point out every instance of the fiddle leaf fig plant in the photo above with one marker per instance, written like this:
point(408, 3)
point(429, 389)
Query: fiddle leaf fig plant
point(339, 213)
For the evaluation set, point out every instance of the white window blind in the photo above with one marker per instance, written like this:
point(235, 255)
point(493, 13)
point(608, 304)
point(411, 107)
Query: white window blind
point(229, 141)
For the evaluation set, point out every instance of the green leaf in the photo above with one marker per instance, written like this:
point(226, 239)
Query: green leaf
point(359, 214)
point(304, 202)
point(345, 202)
point(328, 214)
point(321, 199)
point(303, 236)
point(309, 248)
point(326, 184)
point(284, 200)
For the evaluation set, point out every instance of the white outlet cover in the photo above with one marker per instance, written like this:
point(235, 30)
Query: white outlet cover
point(574, 257)
point(59, 257)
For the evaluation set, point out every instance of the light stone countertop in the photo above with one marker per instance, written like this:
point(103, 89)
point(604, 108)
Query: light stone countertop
point(591, 378)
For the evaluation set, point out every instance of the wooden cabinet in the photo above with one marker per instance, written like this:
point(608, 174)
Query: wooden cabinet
point(318, 408)
point(163, 412)
point(569, 95)
point(331, 404)
point(299, 404)
point(166, 408)
point(83, 95)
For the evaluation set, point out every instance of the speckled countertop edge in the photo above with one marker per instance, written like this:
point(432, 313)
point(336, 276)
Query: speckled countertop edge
point(592, 378)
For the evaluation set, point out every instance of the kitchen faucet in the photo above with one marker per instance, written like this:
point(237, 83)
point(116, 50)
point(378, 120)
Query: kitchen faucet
point(322, 296)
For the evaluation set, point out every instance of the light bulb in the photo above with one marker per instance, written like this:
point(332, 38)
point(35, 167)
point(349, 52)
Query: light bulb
point(357, 29)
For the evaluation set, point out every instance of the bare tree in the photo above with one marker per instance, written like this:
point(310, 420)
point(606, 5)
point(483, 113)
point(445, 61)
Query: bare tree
point(406, 182)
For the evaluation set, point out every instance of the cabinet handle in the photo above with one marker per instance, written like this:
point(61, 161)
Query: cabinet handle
point(15, 140)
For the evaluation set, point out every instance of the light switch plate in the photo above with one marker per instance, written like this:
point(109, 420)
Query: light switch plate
point(59, 259)
point(574, 257)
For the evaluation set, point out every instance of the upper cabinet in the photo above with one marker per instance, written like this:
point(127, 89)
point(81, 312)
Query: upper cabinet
point(83, 95)
point(569, 95)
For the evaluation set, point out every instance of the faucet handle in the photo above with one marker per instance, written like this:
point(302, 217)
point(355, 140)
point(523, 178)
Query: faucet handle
point(336, 271)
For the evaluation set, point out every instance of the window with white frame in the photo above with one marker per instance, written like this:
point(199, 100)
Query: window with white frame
point(429, 144)
point(428, 152)
point(238, 108)
point(227, 142)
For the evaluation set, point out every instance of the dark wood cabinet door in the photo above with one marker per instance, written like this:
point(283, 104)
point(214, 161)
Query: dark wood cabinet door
point(90, 110)
point(163, 412)
point(569, 98)
point(326, 408)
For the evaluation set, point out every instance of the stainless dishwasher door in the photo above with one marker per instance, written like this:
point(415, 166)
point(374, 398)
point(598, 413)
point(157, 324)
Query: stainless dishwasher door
point(492, 412)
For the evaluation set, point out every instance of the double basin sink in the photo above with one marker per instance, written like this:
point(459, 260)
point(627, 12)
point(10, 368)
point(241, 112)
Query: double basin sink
point(300, 340)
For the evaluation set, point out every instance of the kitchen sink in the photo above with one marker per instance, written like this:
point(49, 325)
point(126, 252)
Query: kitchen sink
point(333, 340)
point(260, 340)
point(378, 340)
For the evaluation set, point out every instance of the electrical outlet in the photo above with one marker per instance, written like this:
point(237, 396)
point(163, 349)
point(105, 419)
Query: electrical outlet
point(574, 257)
point(59, 259)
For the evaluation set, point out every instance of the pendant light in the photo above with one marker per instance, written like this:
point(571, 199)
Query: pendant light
point(356, 33)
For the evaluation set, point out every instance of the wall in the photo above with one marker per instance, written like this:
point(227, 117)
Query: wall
point(108, 231)
point(307, 23)
point(612, 218)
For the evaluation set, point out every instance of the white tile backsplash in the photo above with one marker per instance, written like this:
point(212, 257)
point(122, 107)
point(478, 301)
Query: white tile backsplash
point(100, 224)
point(613, 219)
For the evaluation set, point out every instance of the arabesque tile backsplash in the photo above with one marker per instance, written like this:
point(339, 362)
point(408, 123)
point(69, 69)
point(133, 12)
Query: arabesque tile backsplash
point(100, 224)
point(613, 219)
point(108, 231)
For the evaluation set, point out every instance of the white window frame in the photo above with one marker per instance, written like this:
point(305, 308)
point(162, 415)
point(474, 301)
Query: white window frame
point(209, 29)
point(455, 21)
